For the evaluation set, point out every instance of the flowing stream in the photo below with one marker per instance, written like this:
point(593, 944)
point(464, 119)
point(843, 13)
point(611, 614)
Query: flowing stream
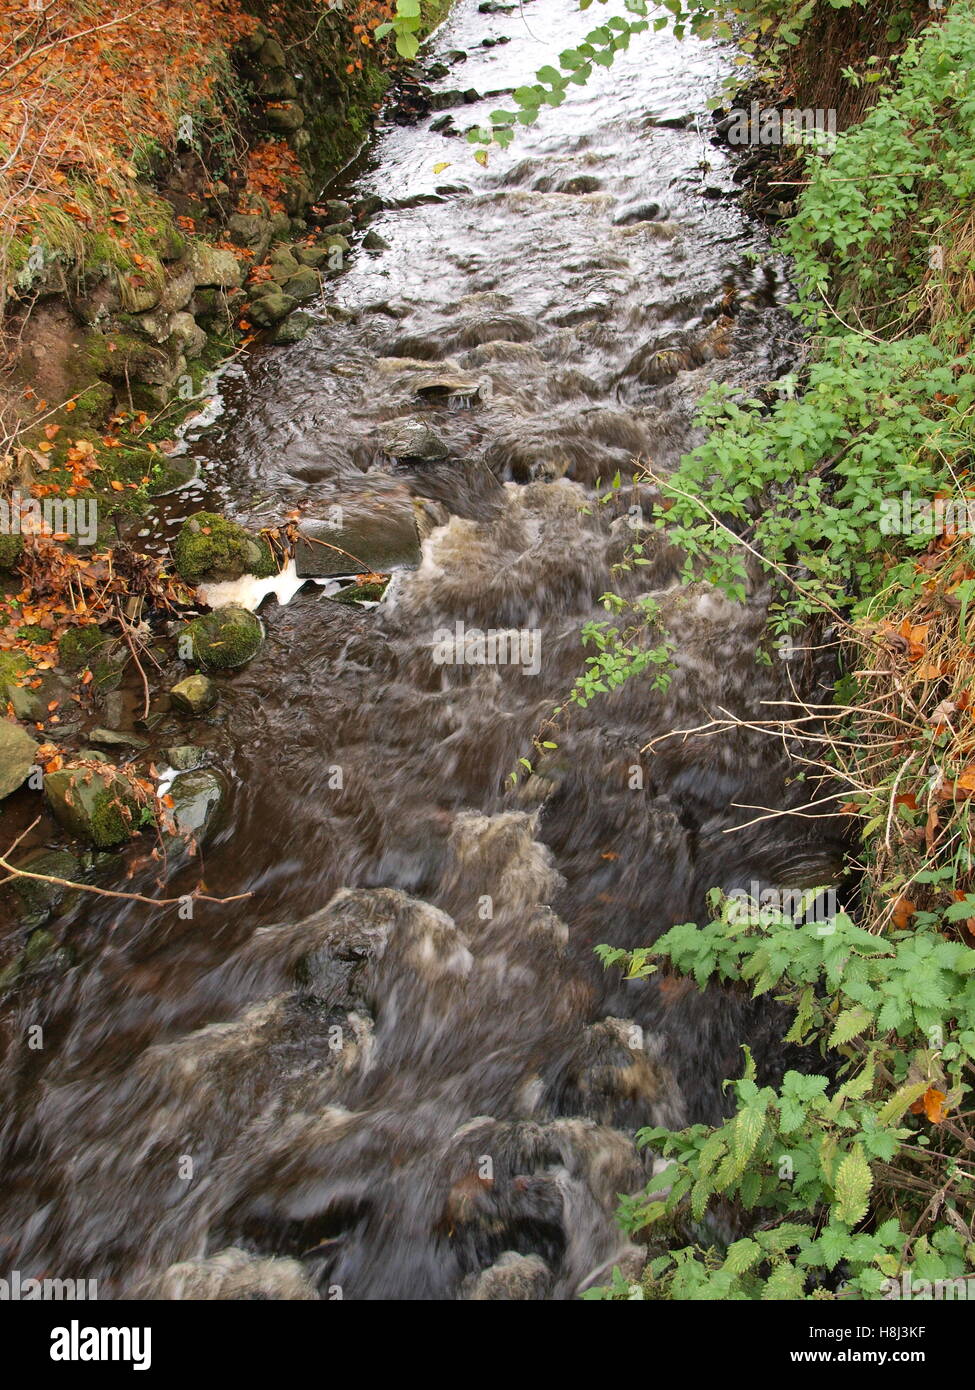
point(397, 1069)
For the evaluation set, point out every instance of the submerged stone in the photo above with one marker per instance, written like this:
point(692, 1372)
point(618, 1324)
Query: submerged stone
point(197, 798)
point(411, 439)
point(375, 535)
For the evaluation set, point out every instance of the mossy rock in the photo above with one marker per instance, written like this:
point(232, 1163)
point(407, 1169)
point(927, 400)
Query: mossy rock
point(41, 951)
point(88, 647)
point(93, 802)
point(305, 284)
point(13, 664)
point(33, 632)
point(18, 755)
point(226, 638)
point(11, 549)
point(198, 797)
point(211, 547)
point(170, 474)
point(362, 593)
point(294, 328)
point(271, 308)
point(26, 703)
point(195, 695)
point(39, 900)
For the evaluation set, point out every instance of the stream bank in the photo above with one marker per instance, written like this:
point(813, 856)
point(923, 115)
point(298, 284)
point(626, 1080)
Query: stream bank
point(395, 1068)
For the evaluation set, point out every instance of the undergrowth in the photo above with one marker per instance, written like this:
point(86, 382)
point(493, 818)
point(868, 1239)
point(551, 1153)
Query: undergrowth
point(853, 492)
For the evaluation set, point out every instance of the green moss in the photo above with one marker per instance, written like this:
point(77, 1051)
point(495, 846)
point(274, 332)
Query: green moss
point(362, 593)
point(12, 665)
point(88, 647)
point(76, 646)
point(226, 638)
point(11, 549)
point(211, 547)
point(31, 632)
point(93, 803)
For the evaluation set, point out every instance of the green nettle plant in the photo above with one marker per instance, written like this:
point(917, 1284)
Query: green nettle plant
point(861, 1166)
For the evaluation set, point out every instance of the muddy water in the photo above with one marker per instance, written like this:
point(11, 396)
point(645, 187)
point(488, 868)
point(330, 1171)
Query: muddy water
point(396, 1070)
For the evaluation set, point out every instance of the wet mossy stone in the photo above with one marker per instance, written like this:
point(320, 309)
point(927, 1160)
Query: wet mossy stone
point(18, 755)
point(41, 951)
point(195, 695)
point(294, 328)
point(186, 757)
point(314, 256)
point(93, 802)
point(171, 474)
point(304, 284)
point(226, 638)
point(211, 547)
point(197, 800)
point(271, 308)
point(39, 899)
point(362, 593)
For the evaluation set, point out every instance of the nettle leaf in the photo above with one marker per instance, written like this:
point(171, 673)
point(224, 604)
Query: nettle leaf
point(852, 1187)
point(849, 1024)
point(785, 1283)
point(742, 1255)
point(902, 1099)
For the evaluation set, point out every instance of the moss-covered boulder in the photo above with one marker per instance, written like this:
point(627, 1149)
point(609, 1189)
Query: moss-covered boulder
point(38, 897)
point(210, 547)
point(11, 549)
point(94, 802)
point(305, 284)
point(361, 593)
point(89, 648)
point(41, 952)
point(226, 638)
point(18, 754)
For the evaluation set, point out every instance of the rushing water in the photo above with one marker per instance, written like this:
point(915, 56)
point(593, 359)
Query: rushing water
point(397, 1069)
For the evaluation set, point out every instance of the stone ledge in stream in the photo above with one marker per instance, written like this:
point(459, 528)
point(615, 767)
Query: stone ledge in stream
point(371, 534)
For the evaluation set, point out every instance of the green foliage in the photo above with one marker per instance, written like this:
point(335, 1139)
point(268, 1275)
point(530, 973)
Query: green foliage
point(800, 1163)
point(809, 482)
